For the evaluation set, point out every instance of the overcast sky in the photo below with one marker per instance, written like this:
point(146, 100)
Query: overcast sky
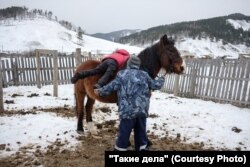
point(110, 15)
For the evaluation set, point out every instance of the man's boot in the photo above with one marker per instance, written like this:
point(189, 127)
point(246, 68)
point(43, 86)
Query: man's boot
point(77, 76)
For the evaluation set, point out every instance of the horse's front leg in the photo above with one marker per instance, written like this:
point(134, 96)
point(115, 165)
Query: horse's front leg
point(80, 111)
point(89, 108)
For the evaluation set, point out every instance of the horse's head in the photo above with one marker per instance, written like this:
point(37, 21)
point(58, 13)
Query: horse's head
point(170, 58)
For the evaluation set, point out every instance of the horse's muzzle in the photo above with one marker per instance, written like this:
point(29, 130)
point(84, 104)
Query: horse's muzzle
point(182, 69)
point(183, 66)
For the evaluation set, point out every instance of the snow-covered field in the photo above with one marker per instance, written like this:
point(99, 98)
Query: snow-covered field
point(216, 125)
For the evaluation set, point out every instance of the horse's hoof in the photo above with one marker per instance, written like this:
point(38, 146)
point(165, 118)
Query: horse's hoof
point(80, 132)
point(96, 137)
point(149, 143)
point(94, 132)
point(92, 129)
point(129, 143)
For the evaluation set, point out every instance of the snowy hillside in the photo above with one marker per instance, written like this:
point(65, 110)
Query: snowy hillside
point(216, 49)
point(203, 47)
point(216, 37)
point(115, 35)
point(245, 25)
point(41, 33)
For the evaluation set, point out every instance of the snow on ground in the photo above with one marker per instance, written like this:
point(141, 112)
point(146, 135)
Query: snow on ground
point(217, 125)
point(201, 121)
point(33, 130)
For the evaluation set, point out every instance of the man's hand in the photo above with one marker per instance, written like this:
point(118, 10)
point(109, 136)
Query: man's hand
point(96, 91)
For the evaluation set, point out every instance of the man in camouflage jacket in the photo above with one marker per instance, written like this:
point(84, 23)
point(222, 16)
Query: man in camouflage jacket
point(133, 90)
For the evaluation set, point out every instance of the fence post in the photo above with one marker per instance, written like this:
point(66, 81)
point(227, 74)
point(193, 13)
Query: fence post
point(55, 74)
point(15, 72)
point(1, 89)
point(193, 82)
point(78, 56)
point(38, 69)
point(176, 85)
point(90, 56)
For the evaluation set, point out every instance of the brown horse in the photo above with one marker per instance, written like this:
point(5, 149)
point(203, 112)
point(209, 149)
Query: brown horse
point(160, 55)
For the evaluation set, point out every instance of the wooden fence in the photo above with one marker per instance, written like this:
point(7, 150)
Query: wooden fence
point(225, 81)
point(24, 69)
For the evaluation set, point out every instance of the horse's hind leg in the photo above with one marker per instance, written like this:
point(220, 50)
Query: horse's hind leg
point(89, 108)
point(80, 110)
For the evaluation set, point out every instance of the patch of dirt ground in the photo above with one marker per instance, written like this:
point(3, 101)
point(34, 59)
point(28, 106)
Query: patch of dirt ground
point(91, 150)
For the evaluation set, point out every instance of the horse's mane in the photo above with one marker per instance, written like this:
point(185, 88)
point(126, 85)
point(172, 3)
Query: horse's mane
point(150, 59)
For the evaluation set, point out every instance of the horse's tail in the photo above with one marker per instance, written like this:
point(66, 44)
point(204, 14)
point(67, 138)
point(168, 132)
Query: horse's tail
point(75, 108)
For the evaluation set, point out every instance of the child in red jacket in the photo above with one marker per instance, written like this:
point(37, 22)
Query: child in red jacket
point(109, 66)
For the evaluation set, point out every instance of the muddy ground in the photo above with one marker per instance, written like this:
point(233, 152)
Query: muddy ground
point(90, 152)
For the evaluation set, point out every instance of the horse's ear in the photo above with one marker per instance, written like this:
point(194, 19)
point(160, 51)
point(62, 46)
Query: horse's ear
point(167, 41)
point(164, 39)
